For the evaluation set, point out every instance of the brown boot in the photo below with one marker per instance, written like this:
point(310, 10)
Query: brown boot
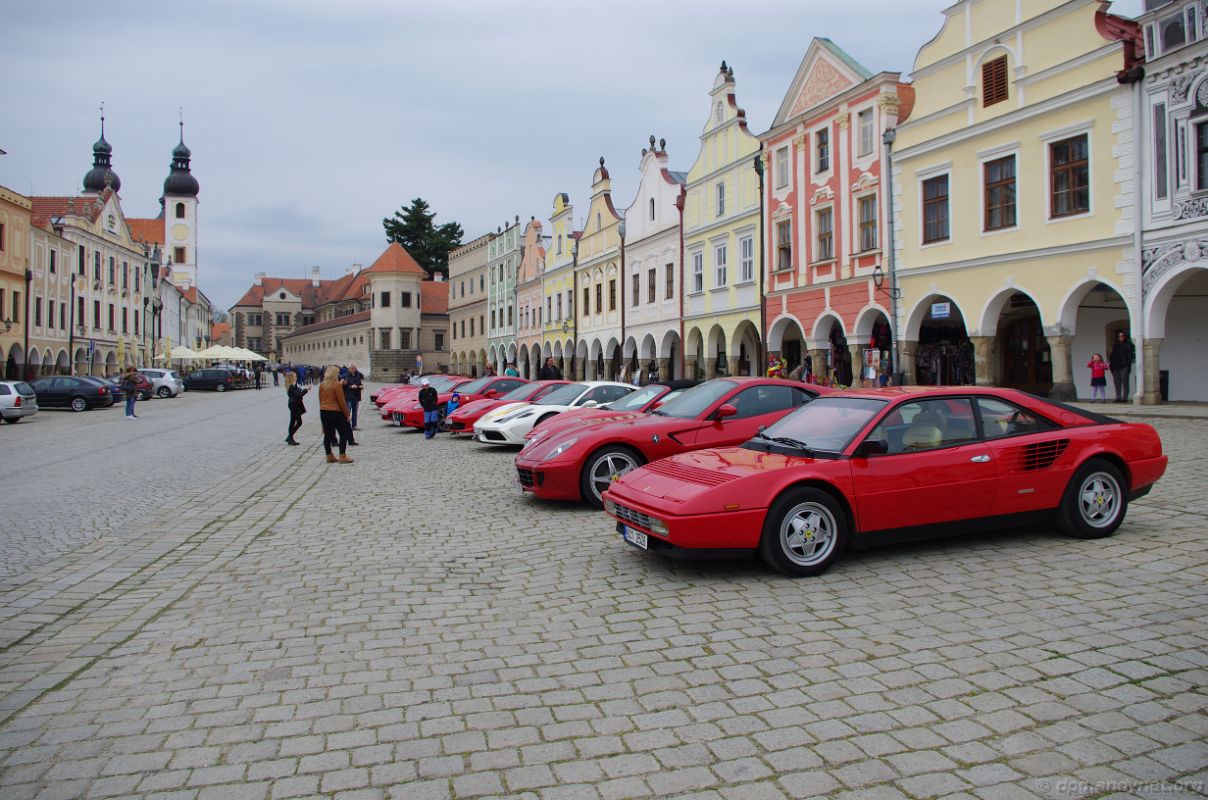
point(345, 459)
point(331, 459)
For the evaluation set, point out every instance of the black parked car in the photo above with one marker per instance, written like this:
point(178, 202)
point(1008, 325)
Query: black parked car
point(220, 380)
point(78, 393)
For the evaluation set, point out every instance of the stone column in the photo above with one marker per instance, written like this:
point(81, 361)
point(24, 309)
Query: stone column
point(1151, 394)
point(857, 365)
point(908, 360)
point(710, 368)
point(664, 369)
point(818, 360)
point(984, 366)
point(1063, 370)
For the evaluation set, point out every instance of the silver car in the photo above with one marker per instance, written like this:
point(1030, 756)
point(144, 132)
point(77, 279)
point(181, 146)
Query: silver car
point(17, 401)
point(165, 383)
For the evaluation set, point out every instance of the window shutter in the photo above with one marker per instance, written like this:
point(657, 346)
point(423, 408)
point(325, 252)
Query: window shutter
point(994, 81)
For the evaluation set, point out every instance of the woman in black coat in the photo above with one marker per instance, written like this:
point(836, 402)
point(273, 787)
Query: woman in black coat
point(297, 408)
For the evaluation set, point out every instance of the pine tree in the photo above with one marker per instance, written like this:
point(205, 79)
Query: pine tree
point(429, 244)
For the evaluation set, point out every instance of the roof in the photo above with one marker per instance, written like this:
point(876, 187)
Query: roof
point(434, 297)
point(146, 230)
point(219, 330)
point(303, 287)
point(328, 324)
point(678, 176)
point(396, 259)
point(44, 208)
point(842, 54)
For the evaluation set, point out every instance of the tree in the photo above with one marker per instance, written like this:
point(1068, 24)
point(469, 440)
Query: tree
point(220, 316)
point(429, 244)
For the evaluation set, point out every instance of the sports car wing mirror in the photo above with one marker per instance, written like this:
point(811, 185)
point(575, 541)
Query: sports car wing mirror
point(871, 447)
point(727, 410)
point(590, 404)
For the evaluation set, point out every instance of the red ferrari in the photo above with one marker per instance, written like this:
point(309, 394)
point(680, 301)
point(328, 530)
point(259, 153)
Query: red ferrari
point(865, 467)
point(404, 399)
point(489, 388)
point(633, 404)
point(580, 462)
point(462, 420)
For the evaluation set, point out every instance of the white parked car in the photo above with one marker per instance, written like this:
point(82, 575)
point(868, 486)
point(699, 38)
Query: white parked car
point(508, 424)
point(164, 382)
point(17, 401)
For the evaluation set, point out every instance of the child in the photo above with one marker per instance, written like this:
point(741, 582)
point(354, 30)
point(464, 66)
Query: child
point(452, 405)
point(1098, 369)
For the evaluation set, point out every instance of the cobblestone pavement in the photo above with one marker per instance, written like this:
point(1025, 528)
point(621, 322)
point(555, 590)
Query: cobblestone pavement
point(272, 626)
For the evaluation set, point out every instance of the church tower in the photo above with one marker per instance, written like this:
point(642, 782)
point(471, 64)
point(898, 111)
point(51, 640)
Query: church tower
point(102, 176)
point(180, 216)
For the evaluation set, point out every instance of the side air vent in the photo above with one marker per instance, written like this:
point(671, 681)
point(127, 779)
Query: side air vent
point(688, 474)
point(1035, 456)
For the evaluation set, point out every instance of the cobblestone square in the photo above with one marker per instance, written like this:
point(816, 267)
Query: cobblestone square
point(244, 620)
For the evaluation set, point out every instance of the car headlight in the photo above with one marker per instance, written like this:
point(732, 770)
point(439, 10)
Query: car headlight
point(610, 506)
point(560, 449)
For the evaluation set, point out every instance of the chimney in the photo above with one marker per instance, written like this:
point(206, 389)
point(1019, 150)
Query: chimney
point(314, 276)
point(259, 277)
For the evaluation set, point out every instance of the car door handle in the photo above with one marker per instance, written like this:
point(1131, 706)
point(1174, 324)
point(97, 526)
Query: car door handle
point(980, 459)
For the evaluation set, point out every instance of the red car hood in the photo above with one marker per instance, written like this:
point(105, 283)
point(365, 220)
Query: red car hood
point(683, 477)
point(475, 407)
point(581, 418)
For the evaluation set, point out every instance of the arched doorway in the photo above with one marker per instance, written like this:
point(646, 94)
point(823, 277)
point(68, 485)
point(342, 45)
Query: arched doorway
point(613, 352)
point(694, 354)
point(81, 361)
point(669, 356)
point(1026, 361)
point(786, 337)
point(1093, 313)
point(1176, 337)
point(832, 359)
point(596, 371)
point(943, 355)
point(745, 346)
point(716, 352)
point(14, 365)
point(874, 336)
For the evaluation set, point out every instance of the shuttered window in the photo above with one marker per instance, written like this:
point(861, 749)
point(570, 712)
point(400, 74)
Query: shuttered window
point(994, 81)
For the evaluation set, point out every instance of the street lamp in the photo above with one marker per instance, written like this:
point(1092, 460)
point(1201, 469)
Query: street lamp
point(71, 327)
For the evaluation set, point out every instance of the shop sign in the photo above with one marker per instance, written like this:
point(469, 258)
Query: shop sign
point(941, 310)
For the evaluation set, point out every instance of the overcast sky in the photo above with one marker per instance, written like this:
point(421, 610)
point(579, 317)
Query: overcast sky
point(311, 120)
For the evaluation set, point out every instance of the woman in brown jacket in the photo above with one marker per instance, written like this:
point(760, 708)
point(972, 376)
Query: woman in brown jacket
point(333, 413)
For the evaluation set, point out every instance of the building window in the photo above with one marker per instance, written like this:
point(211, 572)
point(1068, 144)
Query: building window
point(935, 209)
point(558, 248)
point(670, 281)
point(482, 283)
point(179, 254)
point(1173, 33)
point(493, 319)
point(3, 239)
point(384, 302)
point(1201, 156)
point(824, 225)
point(125, 274)
point(440, 339)
point(994, 81)
point(112, 271)
point(283, 319)
point(719, 265)
point(125, 319)
point(784, 245)
point(612, 294)
point(822, 149)
point(1069, 177)
point(404, 339)
point(586, 300)
point(384, 338)
point(38, 312)
point(548, 310)
point(96, 314)
point(782, 167)
point(637, 285)
point(510, 317)
point(180, 210)
point(53, 259)
point(746, 259)
point(651, 282)
point(463, 328)
point(864, 123)
point(570, 303)
point(63, 316)
point(1000, 193)
point(698, 271)
point(96, 264)
point(721, 199)
point(136, 279)
point(80, 311)
point(868, 222)
point(136, 322)
point(652, 209)
point(112, 318)
point(81, 259)
point(405, 299)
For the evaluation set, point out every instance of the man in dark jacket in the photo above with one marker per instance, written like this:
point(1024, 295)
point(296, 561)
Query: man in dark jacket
point(429, 402)
point(1121, 359)
point(550, 371)
point(355, 382)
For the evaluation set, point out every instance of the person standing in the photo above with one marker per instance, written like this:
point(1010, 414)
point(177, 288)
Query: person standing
point(419, 365)
point(429, 402)
point(352, 393)
point(333, 413)
point(256, 370)
point(276, 374)
point(550, 371)
point(511, 371)
point(294, 394)
point(1098, 369)
point(1121, 359)
point(130, 387)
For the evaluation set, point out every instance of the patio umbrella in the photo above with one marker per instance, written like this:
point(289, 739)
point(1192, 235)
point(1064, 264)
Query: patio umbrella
point(249, 355)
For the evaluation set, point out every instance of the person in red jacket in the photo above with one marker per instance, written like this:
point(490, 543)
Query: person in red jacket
point(1098, 369)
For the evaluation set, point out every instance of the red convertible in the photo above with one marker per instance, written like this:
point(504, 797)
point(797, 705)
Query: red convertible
point(580, 462)
point(462, 420)
point(866, 467)
point(489, 388)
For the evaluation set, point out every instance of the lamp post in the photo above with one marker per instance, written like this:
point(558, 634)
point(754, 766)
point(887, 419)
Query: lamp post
point(71, 328)
point(29, 278)
point(895, 294)
point(760, 345)
point(624, 277)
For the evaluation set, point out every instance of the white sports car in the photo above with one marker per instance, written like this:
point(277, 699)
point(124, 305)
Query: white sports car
point(508, 424)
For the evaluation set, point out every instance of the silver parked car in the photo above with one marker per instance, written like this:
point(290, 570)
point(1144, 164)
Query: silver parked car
point(17, 401)
point(165, 383)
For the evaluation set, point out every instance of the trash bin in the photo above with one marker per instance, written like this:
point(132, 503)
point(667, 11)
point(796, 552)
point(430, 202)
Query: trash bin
point(1164, 384)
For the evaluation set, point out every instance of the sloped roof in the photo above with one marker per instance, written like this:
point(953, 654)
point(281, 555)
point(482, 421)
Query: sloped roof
point(44, 208)
point(434, 297)
point(219, 330)
point(396, 259)
point(146, 230)
point(327, 324)
point(311, 295)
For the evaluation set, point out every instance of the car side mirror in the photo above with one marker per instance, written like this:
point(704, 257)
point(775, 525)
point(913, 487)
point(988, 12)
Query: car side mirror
point(726, 410)
point(590, 404)
point(491, 393)
point(871, 447)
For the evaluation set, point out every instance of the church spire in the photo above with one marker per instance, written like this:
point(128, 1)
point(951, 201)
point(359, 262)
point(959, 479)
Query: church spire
point(101, 175)
point(180, 180)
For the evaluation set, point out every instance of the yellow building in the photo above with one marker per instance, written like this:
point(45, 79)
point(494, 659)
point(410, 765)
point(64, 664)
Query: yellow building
point(598, 284)
point(15, 212)
point(558, 286)
point(722, 257)
point(1015, 196)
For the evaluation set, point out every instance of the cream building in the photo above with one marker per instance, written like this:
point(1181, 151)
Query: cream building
point(558, 287)
point(1015, 196)
point(598, 284)
point(530, 300)
point(15, 213)
point(468, 306)
point(504, 252)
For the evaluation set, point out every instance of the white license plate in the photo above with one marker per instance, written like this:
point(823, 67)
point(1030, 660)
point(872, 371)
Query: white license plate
point(396, 420)
point(635, 538)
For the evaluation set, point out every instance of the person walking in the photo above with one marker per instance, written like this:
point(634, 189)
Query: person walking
point(1098, 369)
point(429, 402)
point(352, 393)
point(550, 371)
point(294, 394)
point(333, 413)
point(130, 387)
point(1121, 359)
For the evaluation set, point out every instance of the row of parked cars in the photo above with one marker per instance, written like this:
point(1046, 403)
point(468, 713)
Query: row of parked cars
point(795, 472)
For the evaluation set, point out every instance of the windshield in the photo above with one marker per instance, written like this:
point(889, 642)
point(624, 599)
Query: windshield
point(636, 401)
point(562, 396)
point(693, 401)
point(828, 423)
point(521, 393)
point(473, 386)
point(442, 382)
point(24, 388)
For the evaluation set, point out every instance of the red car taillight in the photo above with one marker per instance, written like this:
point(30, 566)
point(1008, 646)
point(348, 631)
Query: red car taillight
point(18, 403)
point(102, 390)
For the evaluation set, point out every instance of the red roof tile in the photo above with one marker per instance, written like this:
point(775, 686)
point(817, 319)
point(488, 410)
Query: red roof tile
point(327, 324)
point(219, 330)
point(396, 259)
point(44, 208)
point(146, 230)
point(434, 297)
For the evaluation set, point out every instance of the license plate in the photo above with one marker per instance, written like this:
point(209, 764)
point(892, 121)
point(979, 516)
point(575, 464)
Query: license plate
point(396, 420)
point(635, 538)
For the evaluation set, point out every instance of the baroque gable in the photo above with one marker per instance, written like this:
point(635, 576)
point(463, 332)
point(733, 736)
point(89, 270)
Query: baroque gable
point(825, 71)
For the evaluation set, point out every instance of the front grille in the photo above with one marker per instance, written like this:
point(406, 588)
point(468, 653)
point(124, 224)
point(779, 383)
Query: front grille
point(1035, 456)
point(632, 516)
point(526, 476)
point(683, 472)
point(494, 436)
point(457, 426)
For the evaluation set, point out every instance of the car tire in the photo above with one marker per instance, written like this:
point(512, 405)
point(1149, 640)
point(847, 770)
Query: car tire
point(804, 533)
point(12, 420)
point(144, 395)
point(164, 392)
point(220, 387)
point(606, 463)
point(78, 404)
point(1094, 502)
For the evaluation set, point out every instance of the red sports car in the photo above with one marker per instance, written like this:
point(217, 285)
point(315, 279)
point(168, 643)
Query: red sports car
point(412, 415)
point(865, 467)
point(462, 420)
point(579, 463)
point(404, 399)
point(631, 405)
